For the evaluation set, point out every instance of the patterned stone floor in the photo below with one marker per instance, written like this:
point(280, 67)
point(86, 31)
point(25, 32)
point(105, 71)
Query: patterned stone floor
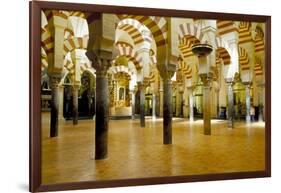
point(135, 152)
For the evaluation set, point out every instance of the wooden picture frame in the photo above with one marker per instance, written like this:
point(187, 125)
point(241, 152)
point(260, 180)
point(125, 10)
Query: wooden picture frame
point(35, 8)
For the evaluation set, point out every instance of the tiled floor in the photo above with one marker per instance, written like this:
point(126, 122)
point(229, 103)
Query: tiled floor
point(135, 152)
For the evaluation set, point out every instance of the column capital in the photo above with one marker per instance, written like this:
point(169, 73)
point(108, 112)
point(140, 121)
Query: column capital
point(166, 71)
point(206, 79)
point(55, 79)
point(76, 86)
point(143, 84)
point(101, 61)
point(248, 84)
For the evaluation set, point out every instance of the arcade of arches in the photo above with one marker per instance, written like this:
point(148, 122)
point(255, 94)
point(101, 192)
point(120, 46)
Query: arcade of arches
point(125, 96)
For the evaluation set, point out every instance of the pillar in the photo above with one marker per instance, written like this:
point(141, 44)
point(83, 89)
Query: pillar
point(133, 104)
point(101, 65)
point(55, 79)
point(179, 100)
point(261, 102)
point(61, 95)
point(166, 73)
point(206, 104)
point(181, 104)
point(248, 102)
point(161, 98)
point(101, 115)
point(167, 111)
point(89, 95)
point(190, 101)
point(153, 106)
point(230, 109)
point(142, 103)
point(75, 90)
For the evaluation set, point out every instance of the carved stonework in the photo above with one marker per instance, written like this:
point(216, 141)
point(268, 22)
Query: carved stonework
point(206, 79)
point(166, 71)
point(101, 61)
point(55, 80)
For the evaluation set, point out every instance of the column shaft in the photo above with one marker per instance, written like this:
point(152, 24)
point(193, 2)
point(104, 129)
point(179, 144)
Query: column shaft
point(61, 95)
point(102, 102)
point(161, 103)
point(133, 104)
point(75, 90)
point(230, 111)
point(206, 108)
point(153, 106)
point(261, 106)
point(54, 107)
point(167, 112)
point(142, 105)
point(248, 103)
point(191, 113)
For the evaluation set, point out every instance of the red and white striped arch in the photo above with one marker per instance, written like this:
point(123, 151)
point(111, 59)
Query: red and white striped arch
point(134, 28)
point(225, 26)
point(185, 68)
point(123, 44)
point(189, 34)
point(223, 50)
point(258, 67)
point(130, 54)
point(47, 41)
point(244, 32)
point(75, 43)
point(259, 40)
point(120, 68)
point(157, 26)
point(243, 59)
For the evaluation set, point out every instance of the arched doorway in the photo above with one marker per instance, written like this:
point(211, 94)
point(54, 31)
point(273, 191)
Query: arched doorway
point(86, 98)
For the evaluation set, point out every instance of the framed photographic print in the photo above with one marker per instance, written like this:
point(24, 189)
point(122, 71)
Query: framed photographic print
point(123, 96)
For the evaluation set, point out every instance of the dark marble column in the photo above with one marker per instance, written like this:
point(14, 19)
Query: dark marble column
point(248, 102)
point(206, 104)
point(75, 90)
point(190, 100)
point(55, 79)
point(154, 106)
point(133, 103)
point(142, 103)
point(101, 65)
point(101, 115)
point(261, 103)
point(230, 109)
point(166, 73)
point(167, 111)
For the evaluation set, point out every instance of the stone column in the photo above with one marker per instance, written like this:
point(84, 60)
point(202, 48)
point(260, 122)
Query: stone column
point(230, 109)
point(101, 62)
point(167, 111)
point(89, 95)
point(248, 102)
point(133, 103)
point(153, 106)
point(179, 100)
point(261, 102)
point(75, 90)
point(55, 80)
point(61, 95)
point(161, 98)
point(181, 104)
point(167, 72)
point(190, 100)
point(206, 104)
point(142, 103)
